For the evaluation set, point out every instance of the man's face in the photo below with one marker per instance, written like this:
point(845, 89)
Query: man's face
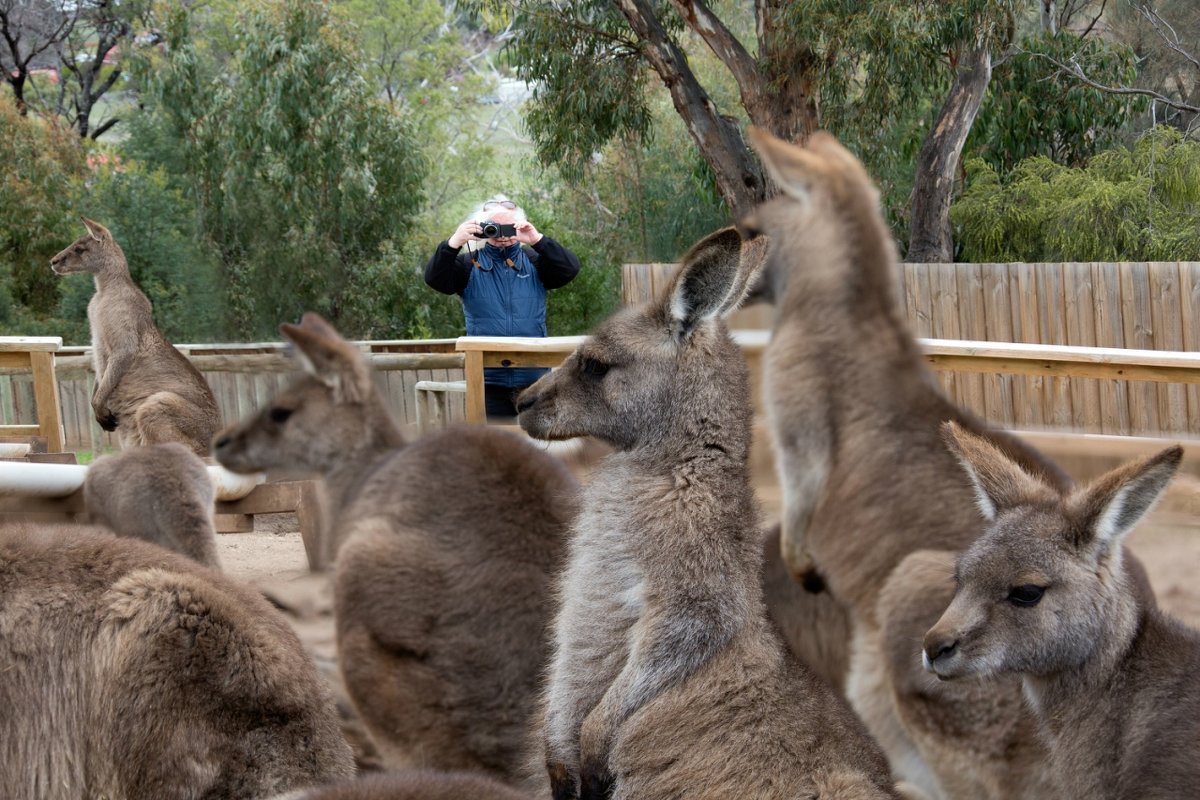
point(504, 217)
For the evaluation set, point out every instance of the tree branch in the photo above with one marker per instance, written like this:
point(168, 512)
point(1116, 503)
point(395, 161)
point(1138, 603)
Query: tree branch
point(102, 127)
point(1171, 41)
point(739, 178)
point(1076, 71)
point(726, 47)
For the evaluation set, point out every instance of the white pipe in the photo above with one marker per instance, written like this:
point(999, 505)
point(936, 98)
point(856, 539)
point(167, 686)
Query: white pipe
point(14, 449)
point(23, 479)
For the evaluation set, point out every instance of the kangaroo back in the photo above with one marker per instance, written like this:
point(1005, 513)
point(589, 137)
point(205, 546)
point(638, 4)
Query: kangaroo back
point(135, 673)
point(158, 493)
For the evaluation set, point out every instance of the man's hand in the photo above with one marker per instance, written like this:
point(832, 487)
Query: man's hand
point(527, 234)
point(465, 233)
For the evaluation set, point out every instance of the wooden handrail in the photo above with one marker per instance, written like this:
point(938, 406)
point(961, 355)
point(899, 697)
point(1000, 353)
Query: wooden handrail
point(942, 354)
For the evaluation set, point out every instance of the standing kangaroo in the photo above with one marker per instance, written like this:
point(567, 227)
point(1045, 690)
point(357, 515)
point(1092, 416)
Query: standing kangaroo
point(668, 681)
point(130, 672)
point(445, 548)
point(855, 415)
point(1048, 593)
point(146, 390)
point(160, 493)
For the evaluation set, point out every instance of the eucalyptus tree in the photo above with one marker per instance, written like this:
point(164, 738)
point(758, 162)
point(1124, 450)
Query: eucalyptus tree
point(302, 175)
point(795, 66)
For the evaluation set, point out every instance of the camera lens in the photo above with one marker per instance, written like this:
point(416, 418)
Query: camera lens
point(490, 229)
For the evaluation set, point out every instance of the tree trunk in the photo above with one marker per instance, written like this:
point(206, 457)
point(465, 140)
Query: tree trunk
point(930, 235)
point(739, 177)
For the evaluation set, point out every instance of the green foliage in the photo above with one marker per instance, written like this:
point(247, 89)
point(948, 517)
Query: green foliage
point(1031, 110)
point(1139, 204)
point(36, 215)
point(299, 172)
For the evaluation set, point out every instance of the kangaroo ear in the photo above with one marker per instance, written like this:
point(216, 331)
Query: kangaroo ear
point(1112, 505)
point(793, 168)
point(999, 481)
point(98, 231)
point(711, 282)
point(329, 358)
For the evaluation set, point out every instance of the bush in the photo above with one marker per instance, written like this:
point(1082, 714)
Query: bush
point(1139, 204)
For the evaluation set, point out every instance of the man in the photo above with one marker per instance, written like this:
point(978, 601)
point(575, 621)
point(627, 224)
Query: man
point(503, 286)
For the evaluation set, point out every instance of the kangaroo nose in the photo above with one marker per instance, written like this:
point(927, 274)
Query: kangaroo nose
point(943, 648)
point(525, 401)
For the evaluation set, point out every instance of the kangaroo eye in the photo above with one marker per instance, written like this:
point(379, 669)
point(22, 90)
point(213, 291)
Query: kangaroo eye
point(78, 248)
point(1026, 596)
point(280, 415)
point(593, 368)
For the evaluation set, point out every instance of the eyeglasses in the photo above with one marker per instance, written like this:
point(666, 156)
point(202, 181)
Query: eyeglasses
point(509, 204)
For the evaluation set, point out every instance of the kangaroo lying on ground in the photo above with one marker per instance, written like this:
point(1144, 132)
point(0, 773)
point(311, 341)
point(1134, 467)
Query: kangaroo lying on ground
point(445, 556)
point(1047, 593)
point(146, 390)
point(412, 785)
point(160, 493)
point(668, 681)
point(855, 415)
point(131, 672)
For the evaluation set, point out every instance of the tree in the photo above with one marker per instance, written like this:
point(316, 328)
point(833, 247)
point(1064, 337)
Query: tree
point(300, 173)
point(30, 32)
point(817, 63)
point(36, 206)
point(85, 54)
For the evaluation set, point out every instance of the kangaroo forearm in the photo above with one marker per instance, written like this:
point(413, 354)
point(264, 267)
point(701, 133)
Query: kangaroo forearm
point(115, 368)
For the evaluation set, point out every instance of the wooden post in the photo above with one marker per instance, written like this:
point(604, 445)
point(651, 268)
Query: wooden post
point(473, 372)
point(45, 393)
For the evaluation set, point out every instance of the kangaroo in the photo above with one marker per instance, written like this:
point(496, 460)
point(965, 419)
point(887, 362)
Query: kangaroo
point(668, 680)
point(132, 672)
point(1049, 593)
point(412, 785)
point(160, 493)
point(854, 414)
point(146, 390)
point(445, 548)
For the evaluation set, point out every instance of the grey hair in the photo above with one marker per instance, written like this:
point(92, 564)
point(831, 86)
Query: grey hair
point(479, 215)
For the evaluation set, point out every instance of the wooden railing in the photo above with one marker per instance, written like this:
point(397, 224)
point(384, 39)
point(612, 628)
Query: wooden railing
point(1100, 363)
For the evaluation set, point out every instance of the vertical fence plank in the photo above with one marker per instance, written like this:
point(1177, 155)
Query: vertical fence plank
point(1139, 333)
point(1110, 332)
point(1026, 328)
point(997, 307)
point(1080, 320)
point(968, 323)
point(1053, 330)
point(1189, 291)
point(1167, 323)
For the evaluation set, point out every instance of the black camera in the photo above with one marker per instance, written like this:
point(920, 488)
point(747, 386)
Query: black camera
point(496, 230)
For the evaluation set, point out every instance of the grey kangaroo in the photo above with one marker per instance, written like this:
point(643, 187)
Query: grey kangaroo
point(146, 390)
point(160, 493)
point(134, 673)
point(446, 550)
point(855, 415)
point(1049, 593)
point(668, 680)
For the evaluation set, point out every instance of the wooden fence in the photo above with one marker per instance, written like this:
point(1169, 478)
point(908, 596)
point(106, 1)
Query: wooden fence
point(1152, 306)
point(243, 378)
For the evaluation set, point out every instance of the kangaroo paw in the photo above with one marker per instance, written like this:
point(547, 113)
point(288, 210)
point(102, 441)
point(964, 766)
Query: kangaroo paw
point(562, 785)
point(596, 785)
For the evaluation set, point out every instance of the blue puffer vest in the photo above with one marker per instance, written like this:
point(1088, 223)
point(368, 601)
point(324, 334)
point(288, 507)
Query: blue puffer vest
point(505, 301)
